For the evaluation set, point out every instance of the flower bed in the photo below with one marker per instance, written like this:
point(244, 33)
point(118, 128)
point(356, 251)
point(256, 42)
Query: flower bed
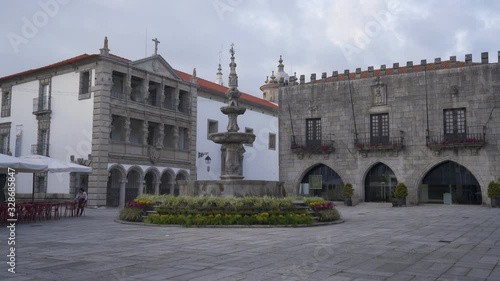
point(183, 210)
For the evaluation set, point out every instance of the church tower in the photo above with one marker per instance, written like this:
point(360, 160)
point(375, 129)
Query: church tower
point(270, 89)
point(219, 76)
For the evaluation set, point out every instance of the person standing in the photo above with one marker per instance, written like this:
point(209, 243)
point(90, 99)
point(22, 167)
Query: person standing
point(81, 199)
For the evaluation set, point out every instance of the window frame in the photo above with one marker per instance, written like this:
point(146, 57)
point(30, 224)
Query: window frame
point(209, 123)
point(84, 91)
point(248, 130)
point(379, 128)
point(313, 131)
point(272, 141)
point(6, 107)
point(457, 119)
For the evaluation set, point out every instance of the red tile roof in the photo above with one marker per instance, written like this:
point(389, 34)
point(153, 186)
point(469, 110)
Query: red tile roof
point(222, 90)
point(202, 82)
point(59, 64)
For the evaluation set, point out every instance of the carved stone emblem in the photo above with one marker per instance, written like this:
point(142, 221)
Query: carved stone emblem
point(379, 92)
point(154, 154)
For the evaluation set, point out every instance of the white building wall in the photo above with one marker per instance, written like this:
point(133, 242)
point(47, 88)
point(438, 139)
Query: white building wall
point(21, 113)
point(260, 163)
point(70, 128)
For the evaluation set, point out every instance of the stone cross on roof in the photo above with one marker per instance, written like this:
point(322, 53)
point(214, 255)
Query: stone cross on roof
point(156, 45)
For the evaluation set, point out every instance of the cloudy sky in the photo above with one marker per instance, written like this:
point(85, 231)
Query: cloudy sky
point(314, 36)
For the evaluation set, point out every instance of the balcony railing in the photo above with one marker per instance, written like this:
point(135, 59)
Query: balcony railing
point(40, 149)
point(41, 105)
point(324, 147)
point(390, 143)
point(467, 140)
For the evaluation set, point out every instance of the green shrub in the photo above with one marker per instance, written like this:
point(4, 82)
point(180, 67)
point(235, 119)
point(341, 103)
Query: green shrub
point(131, 214)
point(401, 191)
point(494, 189)
point(347, 190)
point(328, 215)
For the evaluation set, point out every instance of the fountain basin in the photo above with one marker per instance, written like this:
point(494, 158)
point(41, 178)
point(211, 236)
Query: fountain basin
point(232, 137)
point(238, 110)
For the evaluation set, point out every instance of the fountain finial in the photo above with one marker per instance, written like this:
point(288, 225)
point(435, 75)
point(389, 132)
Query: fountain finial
point(232, 94)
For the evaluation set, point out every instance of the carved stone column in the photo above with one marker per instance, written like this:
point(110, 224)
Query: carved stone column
point(145, 89)
point(177, 98)
point(128, 85)
point(176, 137)
point(161, 135)
point(126, 126)
point(157, 187)
point(145, 132)
point(141, 186)
point(162, 92)
point(121, 202)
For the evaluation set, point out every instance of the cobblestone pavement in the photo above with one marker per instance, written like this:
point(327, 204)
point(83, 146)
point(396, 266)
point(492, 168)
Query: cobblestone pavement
point(376, 242)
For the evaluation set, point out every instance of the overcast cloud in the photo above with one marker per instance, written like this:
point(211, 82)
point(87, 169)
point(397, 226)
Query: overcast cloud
point(313, 36)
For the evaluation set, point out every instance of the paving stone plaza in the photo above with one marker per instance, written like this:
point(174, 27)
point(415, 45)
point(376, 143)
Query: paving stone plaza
point(376, 242)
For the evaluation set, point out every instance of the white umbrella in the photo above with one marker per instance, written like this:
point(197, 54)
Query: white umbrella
point(20, 165)
point(57, 166)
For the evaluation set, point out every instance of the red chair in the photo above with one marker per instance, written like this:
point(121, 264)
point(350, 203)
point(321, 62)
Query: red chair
point(29, 213)
point(3, 214)
point(70, 208)
point(55, 210)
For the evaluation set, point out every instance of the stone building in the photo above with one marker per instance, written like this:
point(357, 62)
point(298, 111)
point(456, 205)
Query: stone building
point(134, 122)
point(435, 127)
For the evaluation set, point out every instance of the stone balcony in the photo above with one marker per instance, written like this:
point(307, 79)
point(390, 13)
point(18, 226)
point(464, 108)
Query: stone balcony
point(473, 141)
point(389, 144)
point(324, 148)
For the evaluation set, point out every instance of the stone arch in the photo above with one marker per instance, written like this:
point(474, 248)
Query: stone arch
point(378, 191)
point(167, 180)
point(116, 175)
point(474, 193)
point(135, 184)
point(332, 182)
point(151, 180)
point(181, 175)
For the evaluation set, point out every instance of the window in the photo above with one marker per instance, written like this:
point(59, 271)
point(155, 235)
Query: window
point(313, 132)
point(249, 131)
point(169, 93)
point(117, 89)
point(168, 140)
point(136, 93)
point(6, 98)
point(183, 102)
point(183, 139)
point(454, 124)
point(4, 145)
point(212, 127)
point(272, 141)
point(379, 128)
point(44, 143)
point(84, 85)
point(43, 100)
point(153, 89)
point(4, 138)
point(41, 183)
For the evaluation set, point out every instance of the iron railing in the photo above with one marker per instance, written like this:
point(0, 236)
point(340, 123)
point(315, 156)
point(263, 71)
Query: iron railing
point(390, 142)
point(472, 139)
point(40, 149)
point(41, 104)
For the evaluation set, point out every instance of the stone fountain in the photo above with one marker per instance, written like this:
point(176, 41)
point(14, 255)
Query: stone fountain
point(231, 181)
